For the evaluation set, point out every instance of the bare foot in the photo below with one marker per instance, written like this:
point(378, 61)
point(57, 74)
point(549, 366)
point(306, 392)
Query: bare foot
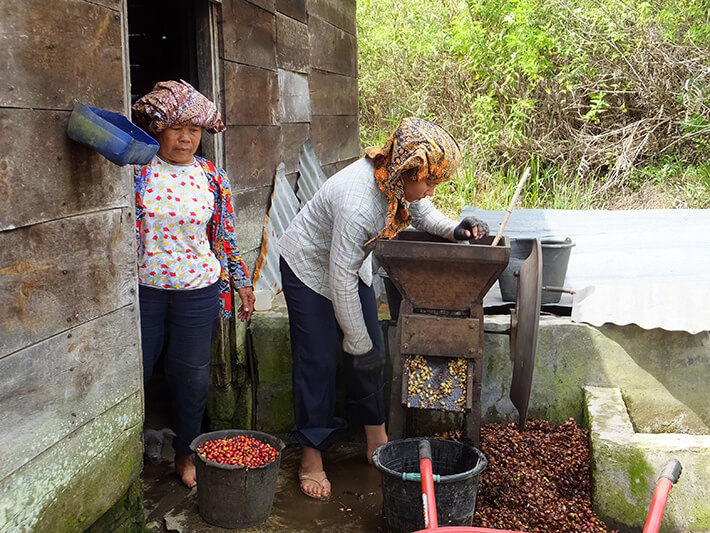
point(376, 437)
point(185, 468)
point(311, 477)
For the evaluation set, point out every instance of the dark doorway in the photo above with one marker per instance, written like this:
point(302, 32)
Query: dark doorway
point(162, 43)
point(174, 40)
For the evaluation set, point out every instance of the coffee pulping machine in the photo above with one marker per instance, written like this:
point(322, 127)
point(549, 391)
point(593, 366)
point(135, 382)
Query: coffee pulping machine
point(437, 359)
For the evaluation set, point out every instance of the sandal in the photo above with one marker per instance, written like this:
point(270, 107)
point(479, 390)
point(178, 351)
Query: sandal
point(315, 477)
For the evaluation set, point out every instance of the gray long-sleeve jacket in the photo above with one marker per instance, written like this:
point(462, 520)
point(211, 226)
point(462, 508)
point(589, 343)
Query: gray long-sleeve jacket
point(325, 243)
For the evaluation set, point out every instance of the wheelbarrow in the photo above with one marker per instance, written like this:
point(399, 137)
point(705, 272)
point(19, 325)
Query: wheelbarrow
point(669, 476)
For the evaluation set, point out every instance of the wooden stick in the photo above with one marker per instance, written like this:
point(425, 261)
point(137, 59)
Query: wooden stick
point(519, 188)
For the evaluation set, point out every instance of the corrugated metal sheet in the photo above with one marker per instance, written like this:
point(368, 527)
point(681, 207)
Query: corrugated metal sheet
point(644, 267)
point(310, 175)
point(284, 206)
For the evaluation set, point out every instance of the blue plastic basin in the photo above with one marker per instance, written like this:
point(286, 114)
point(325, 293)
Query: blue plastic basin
point(112, 135)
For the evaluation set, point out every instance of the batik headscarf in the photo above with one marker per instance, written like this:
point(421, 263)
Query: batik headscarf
point(415, 144)
point(173, 103)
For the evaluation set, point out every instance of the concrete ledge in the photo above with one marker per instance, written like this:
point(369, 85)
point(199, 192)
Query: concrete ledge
point(626, 464)
point(663, 374)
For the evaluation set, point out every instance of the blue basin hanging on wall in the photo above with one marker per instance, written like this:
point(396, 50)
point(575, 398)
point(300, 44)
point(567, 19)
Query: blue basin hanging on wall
point(112, 135)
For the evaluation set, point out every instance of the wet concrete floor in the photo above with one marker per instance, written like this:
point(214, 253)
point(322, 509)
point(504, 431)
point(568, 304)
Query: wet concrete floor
point(354, 507)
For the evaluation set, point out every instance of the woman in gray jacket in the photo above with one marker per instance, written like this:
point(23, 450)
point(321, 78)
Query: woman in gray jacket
point(327, 277)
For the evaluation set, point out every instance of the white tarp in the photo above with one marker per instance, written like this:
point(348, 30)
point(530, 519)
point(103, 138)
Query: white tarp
point(646, 267)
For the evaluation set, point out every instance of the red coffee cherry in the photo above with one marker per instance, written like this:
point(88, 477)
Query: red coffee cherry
point(241, 450)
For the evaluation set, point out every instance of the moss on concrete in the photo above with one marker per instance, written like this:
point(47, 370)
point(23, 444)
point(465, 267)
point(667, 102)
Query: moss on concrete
point(229, 402)
point(126, 516)
point(641, 474)
point(272, 348)
point(701, 514)
point(623, 479)
point(81, 477)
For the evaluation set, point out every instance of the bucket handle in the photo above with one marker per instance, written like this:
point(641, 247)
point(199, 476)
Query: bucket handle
point(416, 476)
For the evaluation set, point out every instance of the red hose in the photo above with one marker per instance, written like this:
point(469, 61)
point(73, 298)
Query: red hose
point(658, 505)
point(466, 529)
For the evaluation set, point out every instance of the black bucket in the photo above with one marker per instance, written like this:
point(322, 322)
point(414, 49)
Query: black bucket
point(459, 466)
point(555, 258)
point(231, 496)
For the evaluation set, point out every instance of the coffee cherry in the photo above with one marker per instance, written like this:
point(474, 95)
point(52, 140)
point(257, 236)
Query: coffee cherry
point(241, 450)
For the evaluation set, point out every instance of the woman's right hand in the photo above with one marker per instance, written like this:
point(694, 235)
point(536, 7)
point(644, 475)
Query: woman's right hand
point(246, 294)
point(369, 361)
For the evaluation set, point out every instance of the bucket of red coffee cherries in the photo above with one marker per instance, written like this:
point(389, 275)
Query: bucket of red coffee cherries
point(237, 472)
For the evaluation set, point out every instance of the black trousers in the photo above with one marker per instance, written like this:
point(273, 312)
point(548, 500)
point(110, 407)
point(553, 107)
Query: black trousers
point(182, 323)
point(316, 342)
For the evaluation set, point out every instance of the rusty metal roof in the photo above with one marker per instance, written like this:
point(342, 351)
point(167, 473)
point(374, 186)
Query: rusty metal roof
point(284, 206)
point(310, 175)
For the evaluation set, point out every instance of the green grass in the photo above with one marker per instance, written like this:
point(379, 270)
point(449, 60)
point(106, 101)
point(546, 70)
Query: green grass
point(544, 189)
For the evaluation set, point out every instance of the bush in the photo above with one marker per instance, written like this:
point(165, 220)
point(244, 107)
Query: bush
point(592, 95)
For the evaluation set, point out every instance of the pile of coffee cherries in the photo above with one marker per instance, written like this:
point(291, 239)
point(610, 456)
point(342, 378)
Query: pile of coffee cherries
point(241, 450)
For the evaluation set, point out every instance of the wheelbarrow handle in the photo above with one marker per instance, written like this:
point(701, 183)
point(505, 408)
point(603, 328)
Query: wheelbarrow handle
point(669, 476)
point(428, 500)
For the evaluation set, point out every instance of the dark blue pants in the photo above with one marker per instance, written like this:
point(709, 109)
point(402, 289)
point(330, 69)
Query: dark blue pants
point(180, 324)
point(316, 347)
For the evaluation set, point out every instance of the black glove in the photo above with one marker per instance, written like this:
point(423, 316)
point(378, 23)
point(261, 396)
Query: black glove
point(369, 361)
point(469, 223)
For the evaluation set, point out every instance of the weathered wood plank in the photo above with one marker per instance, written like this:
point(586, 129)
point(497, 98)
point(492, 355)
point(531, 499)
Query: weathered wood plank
point(268, 5)
point(292, 138)
point(333, 94)
point(252, 155)
point(292, 49)
point(251, 206)
point(294, 97)
point(293, 8)
point(75, 481)
point(250, 94)
point(56, 275)
point(332, 168)
point(52, 53)
point(332, 49)
point(335, 138)
point(249, 34)
point(340, 13)
point(111, 4)
point(53, 387)
point(44, 175)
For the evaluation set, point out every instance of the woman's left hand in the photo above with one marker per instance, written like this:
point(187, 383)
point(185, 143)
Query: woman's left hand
point(248, 300)
point(470, 228)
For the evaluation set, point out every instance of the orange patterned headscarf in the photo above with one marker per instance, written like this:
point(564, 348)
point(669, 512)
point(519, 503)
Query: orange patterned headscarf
point(415, 144)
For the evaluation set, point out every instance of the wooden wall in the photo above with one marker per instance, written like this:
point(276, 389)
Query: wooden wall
point(290, 74)
point(70, 378)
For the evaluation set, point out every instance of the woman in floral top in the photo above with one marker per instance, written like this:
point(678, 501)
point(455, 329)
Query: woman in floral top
point(188, 258)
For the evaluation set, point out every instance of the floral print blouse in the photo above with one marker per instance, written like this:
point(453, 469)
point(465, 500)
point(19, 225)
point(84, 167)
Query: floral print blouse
point(185, 228)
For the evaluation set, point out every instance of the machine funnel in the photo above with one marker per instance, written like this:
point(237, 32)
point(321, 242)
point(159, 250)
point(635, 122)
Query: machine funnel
point(433, 273)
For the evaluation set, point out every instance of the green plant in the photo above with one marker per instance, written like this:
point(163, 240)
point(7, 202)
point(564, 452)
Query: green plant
point(604, 94)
